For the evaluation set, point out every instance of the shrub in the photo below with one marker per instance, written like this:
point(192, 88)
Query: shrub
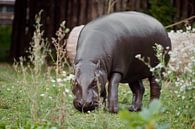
point(162, 10)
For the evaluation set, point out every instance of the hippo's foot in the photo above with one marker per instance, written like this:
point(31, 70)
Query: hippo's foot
point(154, 89)
point(135, 107)
point(113, 107)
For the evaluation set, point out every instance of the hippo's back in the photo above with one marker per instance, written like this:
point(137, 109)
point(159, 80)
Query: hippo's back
point(117, 38)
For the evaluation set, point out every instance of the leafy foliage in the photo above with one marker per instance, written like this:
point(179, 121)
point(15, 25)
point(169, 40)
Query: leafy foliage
point(5, 41)
point(162, 10)
point(146, 119)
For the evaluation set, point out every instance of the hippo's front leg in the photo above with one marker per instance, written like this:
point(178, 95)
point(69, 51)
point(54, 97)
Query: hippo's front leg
point(113, 92)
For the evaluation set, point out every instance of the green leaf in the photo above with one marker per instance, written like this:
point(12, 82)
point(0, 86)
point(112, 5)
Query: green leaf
point(133, 118)
point(154, 107)
point(145, 114)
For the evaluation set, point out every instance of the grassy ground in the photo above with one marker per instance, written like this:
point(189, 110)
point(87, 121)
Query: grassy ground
point(35, 96)
point(28, 101)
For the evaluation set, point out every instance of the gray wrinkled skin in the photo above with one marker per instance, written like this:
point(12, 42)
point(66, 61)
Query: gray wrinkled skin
point(106, 51)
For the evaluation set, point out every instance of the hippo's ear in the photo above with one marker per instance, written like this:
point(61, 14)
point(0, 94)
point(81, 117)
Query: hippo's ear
point(98, 64)
point(97, 73)
point(77, 71)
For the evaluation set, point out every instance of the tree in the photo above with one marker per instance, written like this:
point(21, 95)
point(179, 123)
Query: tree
point(77, 12)
point(18, 30)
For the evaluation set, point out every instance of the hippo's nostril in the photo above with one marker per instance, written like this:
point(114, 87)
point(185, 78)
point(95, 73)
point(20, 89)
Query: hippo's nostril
point(96, 103)
point(91, 103)
point(80, 104)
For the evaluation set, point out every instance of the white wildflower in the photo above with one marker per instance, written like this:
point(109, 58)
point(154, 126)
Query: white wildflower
point(183, 97)
point(70, 95)
point(152, 69)
point(70, 77)
point(179, 31)
point(53, 81)
point(169, 72)
point(42, 95)
point(178, 113)
point(157, 80)
point(178, 95)
point(172, 31)
point(67, 90)
point(182, 88)
point(59, 80)
point(193, 30)
point(64, 73)
point(50, 97)
point(167, 48)
point(188, 28)
point(138, 56)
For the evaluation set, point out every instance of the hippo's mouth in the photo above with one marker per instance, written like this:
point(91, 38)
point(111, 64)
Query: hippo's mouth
point(85, 107)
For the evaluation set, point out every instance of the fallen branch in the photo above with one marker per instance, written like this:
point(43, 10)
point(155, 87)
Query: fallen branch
point(182, 21)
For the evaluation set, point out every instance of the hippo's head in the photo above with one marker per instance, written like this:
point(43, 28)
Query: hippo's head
point(85, 86)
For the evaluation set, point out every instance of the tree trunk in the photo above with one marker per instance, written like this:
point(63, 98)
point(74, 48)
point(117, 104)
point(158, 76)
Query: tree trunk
point(18, 30)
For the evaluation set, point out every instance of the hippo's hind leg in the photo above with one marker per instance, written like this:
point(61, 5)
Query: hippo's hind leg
point(154, 88)
point(137, 89)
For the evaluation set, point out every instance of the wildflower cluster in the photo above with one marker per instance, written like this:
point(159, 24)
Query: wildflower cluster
point(182, 65)
point(60, 82)
point(183, 48)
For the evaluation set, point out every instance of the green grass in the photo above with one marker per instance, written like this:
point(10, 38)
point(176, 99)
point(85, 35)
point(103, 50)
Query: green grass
point(36, 96)
point(51, 107)
point(5, 41)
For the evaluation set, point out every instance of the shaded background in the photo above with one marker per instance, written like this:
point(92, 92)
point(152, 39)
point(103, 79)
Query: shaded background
point(15, 38)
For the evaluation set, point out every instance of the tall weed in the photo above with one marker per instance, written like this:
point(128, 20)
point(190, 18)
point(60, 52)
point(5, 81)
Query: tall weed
point(46, 94)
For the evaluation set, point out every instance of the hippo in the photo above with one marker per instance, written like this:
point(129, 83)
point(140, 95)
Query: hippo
point(106, 51)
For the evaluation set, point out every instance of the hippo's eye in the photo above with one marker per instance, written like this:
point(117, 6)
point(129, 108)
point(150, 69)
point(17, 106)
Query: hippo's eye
point(76, 87)
point(93, 84)
point(74, 83)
